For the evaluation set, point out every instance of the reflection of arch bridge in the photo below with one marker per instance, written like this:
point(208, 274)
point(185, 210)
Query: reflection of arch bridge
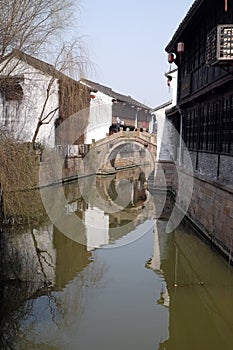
point(123, 149)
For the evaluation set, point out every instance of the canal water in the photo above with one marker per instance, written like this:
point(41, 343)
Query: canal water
point(131, 285)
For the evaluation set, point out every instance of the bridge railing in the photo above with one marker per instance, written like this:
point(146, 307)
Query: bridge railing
point(81, 150)
point(130, 134)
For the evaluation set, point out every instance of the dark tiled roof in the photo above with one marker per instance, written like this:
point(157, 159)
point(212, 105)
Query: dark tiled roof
point(193, 9)
point(115, 95)
point(37, 64)
point(51, 70)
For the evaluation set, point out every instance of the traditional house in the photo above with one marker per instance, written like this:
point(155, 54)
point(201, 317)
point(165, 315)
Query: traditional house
point(35, 97)
point(202, 49)
point(107, 107)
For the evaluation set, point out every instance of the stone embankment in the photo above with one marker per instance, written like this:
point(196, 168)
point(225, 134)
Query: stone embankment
point(211, 207)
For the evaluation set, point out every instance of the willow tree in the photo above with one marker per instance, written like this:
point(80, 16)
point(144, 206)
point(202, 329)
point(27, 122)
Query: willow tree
point(30, 25)
point(71, 62)
point(38, 28)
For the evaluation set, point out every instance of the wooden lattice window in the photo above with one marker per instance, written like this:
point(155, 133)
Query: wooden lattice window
point(219, 45)
point(210, 127)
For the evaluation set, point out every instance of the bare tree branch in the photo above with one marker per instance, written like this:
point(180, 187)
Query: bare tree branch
point(47, 116)
point(29, 25)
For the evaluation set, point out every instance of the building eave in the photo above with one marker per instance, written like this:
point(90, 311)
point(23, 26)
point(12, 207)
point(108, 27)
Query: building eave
point(118, 97)
point(164, 105)
point(38, 64)
point(172, 111)
point(183, 25)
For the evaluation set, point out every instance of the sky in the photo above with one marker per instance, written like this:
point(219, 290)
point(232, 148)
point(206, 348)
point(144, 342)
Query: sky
point(126, 42)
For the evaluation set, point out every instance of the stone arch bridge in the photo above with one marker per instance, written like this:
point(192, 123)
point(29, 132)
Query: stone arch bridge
point(121, 150)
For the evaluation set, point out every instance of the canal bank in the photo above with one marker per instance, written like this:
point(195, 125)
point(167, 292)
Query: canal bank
point(210, 210)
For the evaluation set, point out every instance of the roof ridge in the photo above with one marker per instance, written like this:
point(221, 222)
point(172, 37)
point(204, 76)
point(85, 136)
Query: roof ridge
point(193, 8)
point(37, 63)
point(116, 95)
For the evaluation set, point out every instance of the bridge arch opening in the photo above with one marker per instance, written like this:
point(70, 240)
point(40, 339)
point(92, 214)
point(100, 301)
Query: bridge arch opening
point(130, 152)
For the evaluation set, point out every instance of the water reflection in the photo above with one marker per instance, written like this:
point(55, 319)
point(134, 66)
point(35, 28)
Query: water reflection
point(199, 290)
point(108, 207)
point(103, 209)
point(162, 291)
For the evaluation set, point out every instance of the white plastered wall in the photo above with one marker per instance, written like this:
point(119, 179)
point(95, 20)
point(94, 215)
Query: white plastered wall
point(100, 117)
point(164, 150)
point(23, 115)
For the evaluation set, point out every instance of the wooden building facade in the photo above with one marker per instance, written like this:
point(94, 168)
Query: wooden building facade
point(202, 48)
point(200, 171)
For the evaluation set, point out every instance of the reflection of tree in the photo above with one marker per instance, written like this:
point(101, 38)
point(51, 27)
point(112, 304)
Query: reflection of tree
point(60, 304)
point(63, 310)
point(25, 268)
point(27, 254)
point(12, 314)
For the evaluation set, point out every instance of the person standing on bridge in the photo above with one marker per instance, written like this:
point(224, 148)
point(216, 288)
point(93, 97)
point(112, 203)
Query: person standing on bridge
point(118, 123)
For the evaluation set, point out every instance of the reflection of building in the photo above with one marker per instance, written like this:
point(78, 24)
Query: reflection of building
point(39, 256)
point(160, 253)
point(109, 207)
point(29, 255)
point(199, 288)
point(37, 262)
point(97, 227)
point(71, 259)
point(45, 258)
